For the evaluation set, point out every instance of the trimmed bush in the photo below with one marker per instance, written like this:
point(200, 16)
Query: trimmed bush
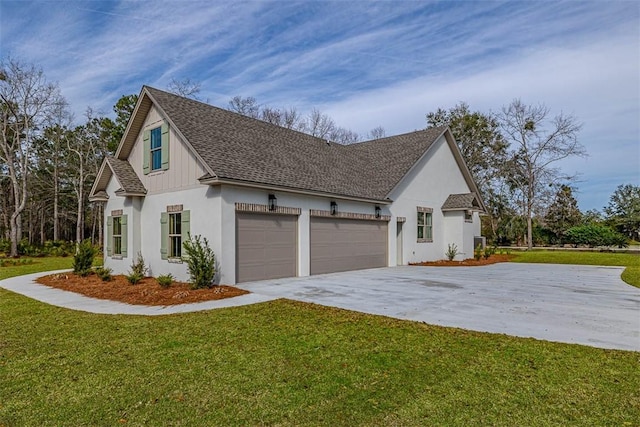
point(477, 254)
point(165, 280)
point(134, 278)
point(200, 261)
point(595, 235)
point(488, 251)
point(104, 273)
point(83, 259)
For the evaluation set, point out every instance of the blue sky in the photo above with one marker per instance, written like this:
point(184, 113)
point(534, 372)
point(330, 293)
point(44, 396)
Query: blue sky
point(365, 63)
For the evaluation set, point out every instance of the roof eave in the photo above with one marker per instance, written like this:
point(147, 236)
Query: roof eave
point(96, 183)
point(220, 181)
point(177, 130)
point(122, 193)
point(100, 199)
point(457, 154)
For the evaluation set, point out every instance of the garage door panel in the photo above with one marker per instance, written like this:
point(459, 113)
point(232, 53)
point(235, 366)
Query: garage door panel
point(266, 246)
point(345, 244)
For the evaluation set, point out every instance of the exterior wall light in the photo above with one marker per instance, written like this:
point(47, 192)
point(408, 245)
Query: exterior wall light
point(273, 202)
point(378, 211)
point(334, 208)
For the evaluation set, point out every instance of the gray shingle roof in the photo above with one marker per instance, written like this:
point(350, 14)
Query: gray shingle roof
point(244, 149)
point(461, 202)
point(126, 176)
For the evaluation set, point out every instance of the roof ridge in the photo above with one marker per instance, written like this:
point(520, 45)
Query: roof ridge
point(246, 149)
point(244, 117)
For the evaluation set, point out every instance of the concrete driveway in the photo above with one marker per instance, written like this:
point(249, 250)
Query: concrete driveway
point(587, 305)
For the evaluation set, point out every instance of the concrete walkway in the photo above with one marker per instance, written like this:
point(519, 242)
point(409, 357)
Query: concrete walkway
point(26, 285)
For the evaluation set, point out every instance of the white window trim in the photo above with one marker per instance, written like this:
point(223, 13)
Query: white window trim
point(429, 211)
point(170, 246)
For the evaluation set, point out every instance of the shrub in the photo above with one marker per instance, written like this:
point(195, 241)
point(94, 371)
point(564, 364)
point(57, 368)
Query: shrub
point(104, 273)
point(477, 254)
point(5, 246)
point(134, 278)
point(595, 235)
point(83, 259)
point(488, 251)
point(452, 251)
point(15, 262)
point(165, 280)
point(200, 261)
point(138, 267)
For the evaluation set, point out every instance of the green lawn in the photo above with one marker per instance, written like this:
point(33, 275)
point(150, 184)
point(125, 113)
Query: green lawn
point(631, 274)
point(287, 363)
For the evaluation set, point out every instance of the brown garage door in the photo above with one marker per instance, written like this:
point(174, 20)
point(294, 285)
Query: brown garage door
point(266, 246)
point(347, 244)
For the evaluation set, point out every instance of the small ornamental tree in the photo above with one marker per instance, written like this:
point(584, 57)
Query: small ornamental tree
point(83, 259)
point(200, 261)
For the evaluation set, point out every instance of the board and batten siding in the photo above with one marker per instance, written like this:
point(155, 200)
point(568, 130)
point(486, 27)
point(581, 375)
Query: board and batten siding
point(184, 169)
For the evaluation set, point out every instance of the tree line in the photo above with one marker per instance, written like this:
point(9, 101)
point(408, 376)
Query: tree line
point(49, 160)
point(513, 156)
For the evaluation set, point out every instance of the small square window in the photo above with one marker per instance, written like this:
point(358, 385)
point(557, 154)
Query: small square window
point(468, 216)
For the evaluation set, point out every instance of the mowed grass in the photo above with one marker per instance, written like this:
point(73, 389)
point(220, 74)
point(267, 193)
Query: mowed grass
point(37, 265)
point(287, 363)
point(631, 274)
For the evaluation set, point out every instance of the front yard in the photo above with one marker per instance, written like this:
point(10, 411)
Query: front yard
point(631, 274)
point(288, 363)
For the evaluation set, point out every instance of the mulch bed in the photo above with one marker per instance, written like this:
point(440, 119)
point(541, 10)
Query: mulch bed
point(493, 259)
point(145, 292)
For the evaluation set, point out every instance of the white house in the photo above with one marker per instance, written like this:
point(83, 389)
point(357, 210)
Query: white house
point(274, 202)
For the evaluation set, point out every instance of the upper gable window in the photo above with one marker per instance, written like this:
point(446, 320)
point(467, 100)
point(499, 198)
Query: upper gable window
point(156, 149)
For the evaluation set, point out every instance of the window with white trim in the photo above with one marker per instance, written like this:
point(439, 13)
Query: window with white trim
point(156, 149)
point(174, 231)
point(425, 225)
point(117, 235)
point(468, 216)
point(175, 235)
point(116, 241)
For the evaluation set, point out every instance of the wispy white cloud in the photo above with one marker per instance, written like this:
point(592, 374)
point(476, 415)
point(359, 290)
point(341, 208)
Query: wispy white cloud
point(365, 63)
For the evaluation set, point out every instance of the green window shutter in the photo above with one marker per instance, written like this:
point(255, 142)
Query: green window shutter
point(165, 147)
point(109, 235)
point(146, 151)
point(186, 229)
point(123, 223)
point(164, 234)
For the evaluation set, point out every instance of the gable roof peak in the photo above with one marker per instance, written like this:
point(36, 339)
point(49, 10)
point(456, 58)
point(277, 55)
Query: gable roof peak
point(234, 147)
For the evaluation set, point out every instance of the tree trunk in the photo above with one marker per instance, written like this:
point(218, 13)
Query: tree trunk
point(43, 238)
point(56, 197)
point(79, 222)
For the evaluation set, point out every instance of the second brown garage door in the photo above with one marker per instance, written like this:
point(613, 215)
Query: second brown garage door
point(266, 246)
point(347, 244)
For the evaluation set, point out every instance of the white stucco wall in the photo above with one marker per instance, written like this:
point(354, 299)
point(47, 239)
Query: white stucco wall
point(143, 228)
point(430, 182)
point(120, 265)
